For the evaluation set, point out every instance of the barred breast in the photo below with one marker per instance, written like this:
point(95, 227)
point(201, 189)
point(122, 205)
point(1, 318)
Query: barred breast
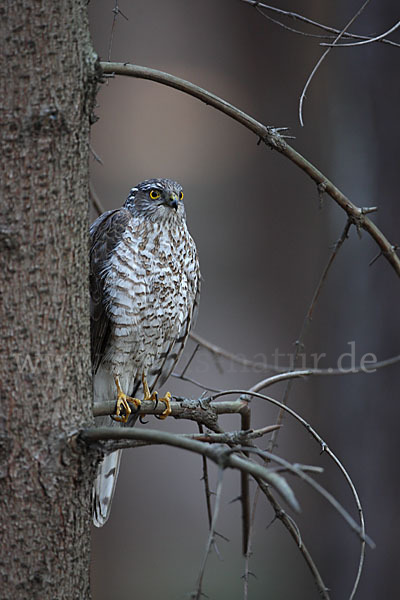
point(150, 288)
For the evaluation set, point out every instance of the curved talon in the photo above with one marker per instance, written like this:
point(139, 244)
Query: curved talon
point(167, 402)
point(155, 399)
point(123, 410)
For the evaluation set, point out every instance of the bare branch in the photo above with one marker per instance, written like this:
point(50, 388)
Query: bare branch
point(116, 11)
point(218, 453)
point(307, 320)
point(196, 383)
point(324, 275)
point(245, 416)
point(284, 373)
point(248, 551)
point(298, 17)
point(232, 438)
point(269, 136)
point(95, 199)
point(303, 33)
point(201, 411)
point(211, 534)
point(303, 93)
point(363, 42)
point(294, 532)
point(218, 351)
point(300, 472)
point(299, 373)
point(324, 448)
point(206, 481)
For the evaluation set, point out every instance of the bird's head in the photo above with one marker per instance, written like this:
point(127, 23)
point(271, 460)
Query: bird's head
point(156, 199)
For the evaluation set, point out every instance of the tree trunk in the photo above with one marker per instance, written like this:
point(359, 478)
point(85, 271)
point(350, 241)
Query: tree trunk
point(48, 87)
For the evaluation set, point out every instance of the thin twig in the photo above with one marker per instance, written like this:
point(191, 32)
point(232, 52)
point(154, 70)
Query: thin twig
point(360, 514)
point(370, 41)
point(189, 361)
point(95, 155)
point(248, 552)
point(218, 351)
point(116, 12)
point(294, 532)
point(291, 29)
point(334, 253)
point(307, 319)
point(300, 472)
point(95, 199)
point(206, 483)
point(198, 384)
point(245, 485)
point(211, 534)
point(298, 17)
point(284, 373)
point(322, 58)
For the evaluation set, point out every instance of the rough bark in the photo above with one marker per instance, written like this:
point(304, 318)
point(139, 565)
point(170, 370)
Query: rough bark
point(47, 86)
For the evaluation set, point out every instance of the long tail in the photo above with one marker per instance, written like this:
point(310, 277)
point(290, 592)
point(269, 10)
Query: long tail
point(104, 487)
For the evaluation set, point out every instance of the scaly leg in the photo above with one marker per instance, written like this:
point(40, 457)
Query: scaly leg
point(123, 403)
point(154, 397)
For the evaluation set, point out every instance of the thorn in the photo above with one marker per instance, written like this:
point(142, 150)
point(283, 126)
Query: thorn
point(368, 209)
point(222, 536)
point(245, 575)
point(237, 499)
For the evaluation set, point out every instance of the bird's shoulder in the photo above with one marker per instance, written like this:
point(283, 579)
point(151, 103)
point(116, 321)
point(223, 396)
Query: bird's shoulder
point(107, 231)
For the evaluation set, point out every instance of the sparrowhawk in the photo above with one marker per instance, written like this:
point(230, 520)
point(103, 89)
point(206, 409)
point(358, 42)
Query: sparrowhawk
point(144, 287)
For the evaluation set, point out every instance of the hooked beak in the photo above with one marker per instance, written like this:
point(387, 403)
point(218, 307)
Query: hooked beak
point(172, 201)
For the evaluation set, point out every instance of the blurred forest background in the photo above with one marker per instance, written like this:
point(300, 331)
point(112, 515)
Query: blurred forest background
point(263, 240)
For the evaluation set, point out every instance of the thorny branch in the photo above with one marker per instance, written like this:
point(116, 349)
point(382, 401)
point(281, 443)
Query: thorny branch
point(290, 525)
point(307, 321)
point(198, 594)
point(233, 439)
point(271, 137)
point(226, 457)
point(218, 453)
point(284, 372)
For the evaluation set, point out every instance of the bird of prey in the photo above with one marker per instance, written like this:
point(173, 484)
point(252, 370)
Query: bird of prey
point(144, 288)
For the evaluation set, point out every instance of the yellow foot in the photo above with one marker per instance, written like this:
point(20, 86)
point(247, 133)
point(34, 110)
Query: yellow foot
point(154, 397)
point(167, 402)
point(123, 410)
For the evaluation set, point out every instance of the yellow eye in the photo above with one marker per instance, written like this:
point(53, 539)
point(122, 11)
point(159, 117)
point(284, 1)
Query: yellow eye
point(154, 194)
point(180, 195)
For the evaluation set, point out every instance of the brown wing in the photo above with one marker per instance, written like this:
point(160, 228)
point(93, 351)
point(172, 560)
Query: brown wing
point(105, 234)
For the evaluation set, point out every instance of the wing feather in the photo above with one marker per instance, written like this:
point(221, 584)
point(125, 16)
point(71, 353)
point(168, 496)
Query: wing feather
point(105, 234)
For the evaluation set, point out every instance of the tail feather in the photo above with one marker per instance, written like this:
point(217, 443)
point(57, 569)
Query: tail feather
point(104, 487)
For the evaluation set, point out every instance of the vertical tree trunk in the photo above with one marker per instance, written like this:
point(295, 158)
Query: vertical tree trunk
point(47, 86)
